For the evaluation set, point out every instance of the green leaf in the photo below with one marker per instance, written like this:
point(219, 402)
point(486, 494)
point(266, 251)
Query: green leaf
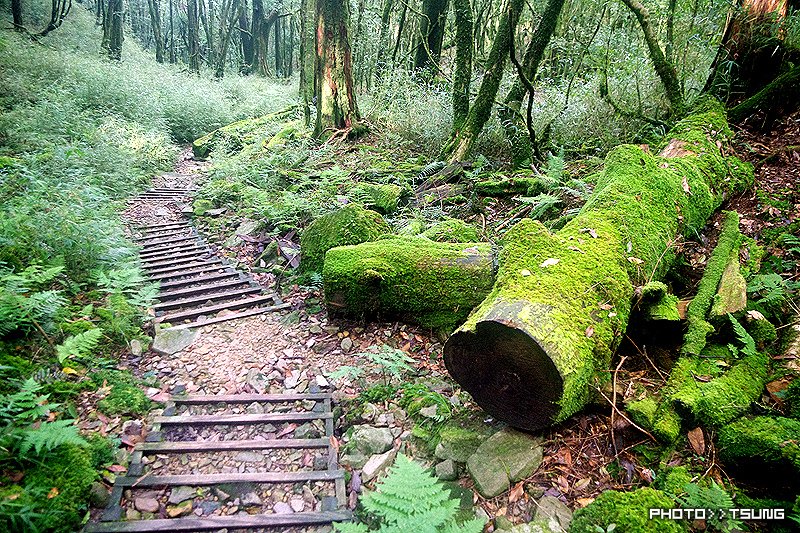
point(79, 345)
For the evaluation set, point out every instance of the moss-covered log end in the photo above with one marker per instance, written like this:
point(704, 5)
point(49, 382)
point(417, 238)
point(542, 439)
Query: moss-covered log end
point(763, 441)
point(629, 511)
point(451, 230)
point(383, 198)
point(349, 225)
point(433, 284)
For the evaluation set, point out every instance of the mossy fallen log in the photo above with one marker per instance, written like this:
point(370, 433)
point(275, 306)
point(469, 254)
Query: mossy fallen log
point(763, 441)
point(351, 224)
point(531, 352)
point(383, 198)
point(412, 278)
point(233, 137)
point(656, 303)
point(451, 230)
point(626, 512)
point(505, 186)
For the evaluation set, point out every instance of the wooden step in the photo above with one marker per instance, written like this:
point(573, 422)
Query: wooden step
point(239, 420)
point(164, 224)
point(204, 298)
point(193, 271)
point(225, 445)
point(209, 287)
point(233, 316)
point(199, 279)
point(155, 261)
point(216, 523)
point(213, 309)
point(178, 249)
point(194, 480)
point(175, 262)
point(182, 267)
point(201, 399)
point(166, 244)
point(149, 240)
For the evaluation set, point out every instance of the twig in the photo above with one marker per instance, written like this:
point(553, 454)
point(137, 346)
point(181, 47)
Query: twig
point(522, 212)
point(644, 353)
point(614, 401)
point(620, 413)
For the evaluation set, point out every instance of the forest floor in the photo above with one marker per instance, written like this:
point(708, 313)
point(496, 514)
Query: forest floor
point(592, 452)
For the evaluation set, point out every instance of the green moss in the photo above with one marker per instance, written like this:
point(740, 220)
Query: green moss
point(724, 398)
point(629, 511)
point(658, 304)
point(383, 198)
point(125, 397)
point(727, 248)
point(793, 399)
point(451, 230)
point(200, 206)
point(13, 368)
point(434, 284)
point(529, 186)
point(349, 225)
point(763, 439)
point(762, 331)
point(673, 479)
point(235, 136)
point(643, 411)
point(70, 471)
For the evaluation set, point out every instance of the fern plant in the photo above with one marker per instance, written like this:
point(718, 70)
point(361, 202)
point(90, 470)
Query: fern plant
point(24, 304)
point(409, 499)
point(78, 346)
point(714, 498)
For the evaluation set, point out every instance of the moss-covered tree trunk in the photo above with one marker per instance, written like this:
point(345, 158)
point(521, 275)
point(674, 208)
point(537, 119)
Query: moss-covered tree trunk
point(780, 96)
point(431, 33)
point(431, 283)
point(155, 25)
point(463, 67)
point(307, 56)
point(531, 352)
point(383, 35)
point(515, 130)
point(113, 29)
point(336, 97)
point(460, 144)
point(193, 36)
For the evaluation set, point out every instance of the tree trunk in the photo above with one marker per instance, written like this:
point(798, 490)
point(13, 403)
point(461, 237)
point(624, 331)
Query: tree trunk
point(278, 49)
point(400, 27)
point(59, 10)
point(155, 23)
point(664, 68)
point(16, 14)
point(531, 353)
point(193, 36)
point(383, 35)
point(307, 57)
point(246, 39)
point(231, 12)
point(460, 145)
point(113, 29)
point(779, 97)
point(431, 33)
point(336, 98)
point(515, 130)
point(173, 55)
point(463, 68)
point(412, 278)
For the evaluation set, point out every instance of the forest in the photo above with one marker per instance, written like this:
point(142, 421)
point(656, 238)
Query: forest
point(400, 265)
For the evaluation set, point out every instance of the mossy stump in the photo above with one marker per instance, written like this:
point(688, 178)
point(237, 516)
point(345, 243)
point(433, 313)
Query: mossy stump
point(351, 224)
point(531, 352)
point(413, 278)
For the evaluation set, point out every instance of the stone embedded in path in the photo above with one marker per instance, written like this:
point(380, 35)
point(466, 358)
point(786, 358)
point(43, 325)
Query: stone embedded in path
point(370, 440)
point(506, 457)
point(458, 443)
point(377, 464)
point(282, 508)
point(249, 457)
point(251, 499)
point(171, 341)
point(182, 509)
point(554, 513)
point(181, 494)
point(447, 470)
point(146, 505)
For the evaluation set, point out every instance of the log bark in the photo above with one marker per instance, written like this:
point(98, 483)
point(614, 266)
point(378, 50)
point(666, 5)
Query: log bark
point(411, 278)
point(531, 353)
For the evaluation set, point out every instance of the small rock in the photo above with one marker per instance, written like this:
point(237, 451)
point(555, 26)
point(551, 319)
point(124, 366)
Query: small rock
point(502, 522)
point(170, 340)
point(552, 510)
point(221, 494)
point(182, 509)
point(146, 505)
point(346, 344)
point(376, 464)
point(322, 382)
point(249, 457)
point(181, 494)
point(99, 495)
point(208, 507)
point(297, 505)
point(136, 347)
point(255, 408)
point(507, 456)
point(251, 499)
point(132, 514)
point(370, 440)
point(428, 412)
point(447, 470)
point(306, 431)
point(282, 508)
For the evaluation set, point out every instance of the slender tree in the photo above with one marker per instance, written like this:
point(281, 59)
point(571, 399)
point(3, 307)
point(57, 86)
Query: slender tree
point(16, 14)
point(193, 36)
point(463, 67)
point(335, 95)
point(155, 23)
point(431, 28)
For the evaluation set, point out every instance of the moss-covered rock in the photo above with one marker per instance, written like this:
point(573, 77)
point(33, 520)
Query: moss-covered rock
point(413, 278)
point(233, 137)
point(505, 186)
point(762, 331)
point(763, 440)
point(629, 511)
point(125, 397)
point(672, 480)
point(793, 399)
point(383, 198)
point(458, 443)
point(451, 230)
point(656, 303)
point(352, 224)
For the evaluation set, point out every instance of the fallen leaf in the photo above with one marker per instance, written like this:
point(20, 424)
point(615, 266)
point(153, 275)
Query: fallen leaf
point(549, 262)
point(583, 502)
point(53, 493)
point(582, 483)
point(697, 441)
point(685, 185)
point(524, 272)
point(590, 231)
point(755, 315)
point(117, 469)
point(69, 370)
point(515, 493)
point(589, 331)
point(635, 260)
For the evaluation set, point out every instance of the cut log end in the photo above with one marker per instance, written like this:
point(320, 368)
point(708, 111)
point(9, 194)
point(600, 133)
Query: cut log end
point(507, 373)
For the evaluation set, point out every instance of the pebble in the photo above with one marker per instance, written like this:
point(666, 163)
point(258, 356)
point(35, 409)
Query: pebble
point(282, 508)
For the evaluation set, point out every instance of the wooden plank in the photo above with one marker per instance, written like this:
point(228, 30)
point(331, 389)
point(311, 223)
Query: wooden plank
point(210, 297)
point(216, 523)
point(234, 316)
point(160, 238)
point(333, 459)
point(153, 226)
point(167, 244)
point(160, 261)
point(176, 262)
point(200, 399)
point(213, 309)
point(175, 249)
point(199, 279)
point(170, 227)
point(210, 262)
point(225, 445)
point(196, 480)
point(194, 271)
point(238, 420)
point(200, 289)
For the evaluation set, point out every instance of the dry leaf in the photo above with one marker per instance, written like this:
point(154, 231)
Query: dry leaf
point(635, 260)
point(583, 483)
point(524, 272)
point(686, 186)
point(549, 262)
point(515, 493)
point(590, 231)
point(697, 440)
point(583, 502)
point(589, 331)
point(53, 493)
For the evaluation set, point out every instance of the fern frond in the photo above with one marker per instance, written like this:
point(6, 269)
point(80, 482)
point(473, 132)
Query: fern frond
point(744, 338)
point(79, 345)
point(48, 436)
